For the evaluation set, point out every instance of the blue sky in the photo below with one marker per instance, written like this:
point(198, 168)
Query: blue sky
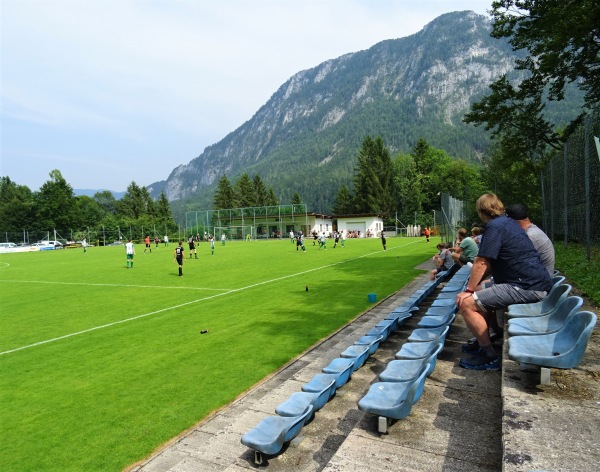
point(114, 91)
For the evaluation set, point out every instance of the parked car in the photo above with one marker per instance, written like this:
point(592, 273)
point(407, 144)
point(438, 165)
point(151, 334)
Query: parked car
point(49, 244)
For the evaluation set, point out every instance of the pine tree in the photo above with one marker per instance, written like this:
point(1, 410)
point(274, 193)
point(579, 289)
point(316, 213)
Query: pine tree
point(244, 192)
point(224, 196)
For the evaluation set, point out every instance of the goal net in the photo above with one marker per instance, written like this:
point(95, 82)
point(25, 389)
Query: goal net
point(234, 232)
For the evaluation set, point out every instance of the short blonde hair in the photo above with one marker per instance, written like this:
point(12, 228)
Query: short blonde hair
point(489, 204)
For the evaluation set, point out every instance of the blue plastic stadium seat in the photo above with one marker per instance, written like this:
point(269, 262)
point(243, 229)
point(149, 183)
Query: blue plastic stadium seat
point(341, 367)
point(561, 350)
point(371, 341)
point(399, 318)
point(443, 302)
point(544, 307)
point(436, 321)
point(392, 400)
point(428, 334)
point(420, 350)
point(545, 324)
point(406, 370)
point(269, 436)
point(383, 328)
point(441, 310)
point(320, 382)
point(358, 353)
point(296, 404)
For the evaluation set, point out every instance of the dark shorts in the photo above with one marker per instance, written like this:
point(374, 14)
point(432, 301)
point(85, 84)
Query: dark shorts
point(499, 296)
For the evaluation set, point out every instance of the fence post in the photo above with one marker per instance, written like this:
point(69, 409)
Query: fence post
point(565, 195)
point(588, 194)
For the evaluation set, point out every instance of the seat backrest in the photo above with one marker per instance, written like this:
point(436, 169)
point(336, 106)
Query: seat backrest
point(576, 333)
point(297, 425)
point(416, 390)
point(565, 307)
point(558, 279)
point(558, 293)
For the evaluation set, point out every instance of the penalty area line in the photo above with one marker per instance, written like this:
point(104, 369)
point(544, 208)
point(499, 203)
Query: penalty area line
point(181, 305)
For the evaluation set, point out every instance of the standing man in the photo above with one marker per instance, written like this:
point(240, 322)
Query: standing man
point(541, 242)
point(427, 234)
point(383, 241)
point(148, 246)
point(223, 238)
point(508, 255)
point(292, 236)
point(179, 256)
point(166, 239)
point(130, 252)
point(84, 245)
point(212, 245)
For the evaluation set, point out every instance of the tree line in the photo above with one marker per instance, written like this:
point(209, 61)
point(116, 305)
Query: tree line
point(55, 206)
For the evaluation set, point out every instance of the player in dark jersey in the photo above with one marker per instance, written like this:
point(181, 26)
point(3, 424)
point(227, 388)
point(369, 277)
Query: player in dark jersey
point(192, 245)
point(179, 256)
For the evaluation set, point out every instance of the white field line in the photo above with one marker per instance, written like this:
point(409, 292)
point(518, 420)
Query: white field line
point(113, 285)
point(258, 284)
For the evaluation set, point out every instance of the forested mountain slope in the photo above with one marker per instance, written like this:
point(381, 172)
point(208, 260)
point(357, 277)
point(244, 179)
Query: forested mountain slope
point(305, 139)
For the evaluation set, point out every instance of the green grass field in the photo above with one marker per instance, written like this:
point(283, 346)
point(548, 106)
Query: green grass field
point(100, 365)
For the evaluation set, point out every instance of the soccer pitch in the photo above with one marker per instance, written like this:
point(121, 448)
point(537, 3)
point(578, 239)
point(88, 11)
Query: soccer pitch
point(100, 365)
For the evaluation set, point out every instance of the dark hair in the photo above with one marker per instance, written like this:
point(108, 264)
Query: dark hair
point(518, 211)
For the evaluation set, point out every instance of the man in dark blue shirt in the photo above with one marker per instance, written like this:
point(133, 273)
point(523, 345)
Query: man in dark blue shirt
point(507, 254)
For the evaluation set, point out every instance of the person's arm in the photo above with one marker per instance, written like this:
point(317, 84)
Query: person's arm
point(481, 267)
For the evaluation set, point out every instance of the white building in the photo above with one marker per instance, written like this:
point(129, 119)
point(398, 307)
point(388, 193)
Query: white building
point(371, 224)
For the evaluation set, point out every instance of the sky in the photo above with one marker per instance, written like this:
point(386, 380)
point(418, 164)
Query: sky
point(114, 91)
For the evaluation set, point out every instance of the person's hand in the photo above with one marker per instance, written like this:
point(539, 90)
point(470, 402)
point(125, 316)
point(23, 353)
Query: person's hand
point(461, 296)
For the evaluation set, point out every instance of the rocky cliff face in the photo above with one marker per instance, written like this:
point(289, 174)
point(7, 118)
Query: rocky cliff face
point(401, 89)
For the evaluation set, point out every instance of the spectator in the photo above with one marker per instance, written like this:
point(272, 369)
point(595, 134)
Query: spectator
point(465, 249)
point(508, 255)
point(443, 260)
point(541, 242)
point(476, 235)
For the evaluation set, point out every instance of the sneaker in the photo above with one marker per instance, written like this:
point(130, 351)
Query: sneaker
point(471, 346)
point(480, 361)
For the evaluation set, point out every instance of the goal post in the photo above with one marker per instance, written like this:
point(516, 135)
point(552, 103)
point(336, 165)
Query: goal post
point(240, 233)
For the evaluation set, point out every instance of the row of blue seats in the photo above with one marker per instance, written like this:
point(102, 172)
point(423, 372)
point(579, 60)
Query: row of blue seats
point(270, 435)
point(402, 382)
point(552, 333)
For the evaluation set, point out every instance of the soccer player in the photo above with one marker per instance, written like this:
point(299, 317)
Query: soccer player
point(179, 256)
point(223, 238)
point(212, 245)
point(84, 245)
point(148, 246)
point(383, 241)
point(166, 239)
point(192, 246)
point(130, 251)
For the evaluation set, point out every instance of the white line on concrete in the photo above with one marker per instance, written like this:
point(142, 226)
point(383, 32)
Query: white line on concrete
point(258, 284)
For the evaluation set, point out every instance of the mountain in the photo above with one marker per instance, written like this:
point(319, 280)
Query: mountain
point(306, 138)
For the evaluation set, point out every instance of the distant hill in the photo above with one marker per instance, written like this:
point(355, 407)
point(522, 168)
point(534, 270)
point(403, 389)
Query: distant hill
point(91, 193)
point(306, 138)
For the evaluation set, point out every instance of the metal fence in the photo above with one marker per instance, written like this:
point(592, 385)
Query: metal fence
point(571, 188)
point(450, 218)
point(100, 235)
